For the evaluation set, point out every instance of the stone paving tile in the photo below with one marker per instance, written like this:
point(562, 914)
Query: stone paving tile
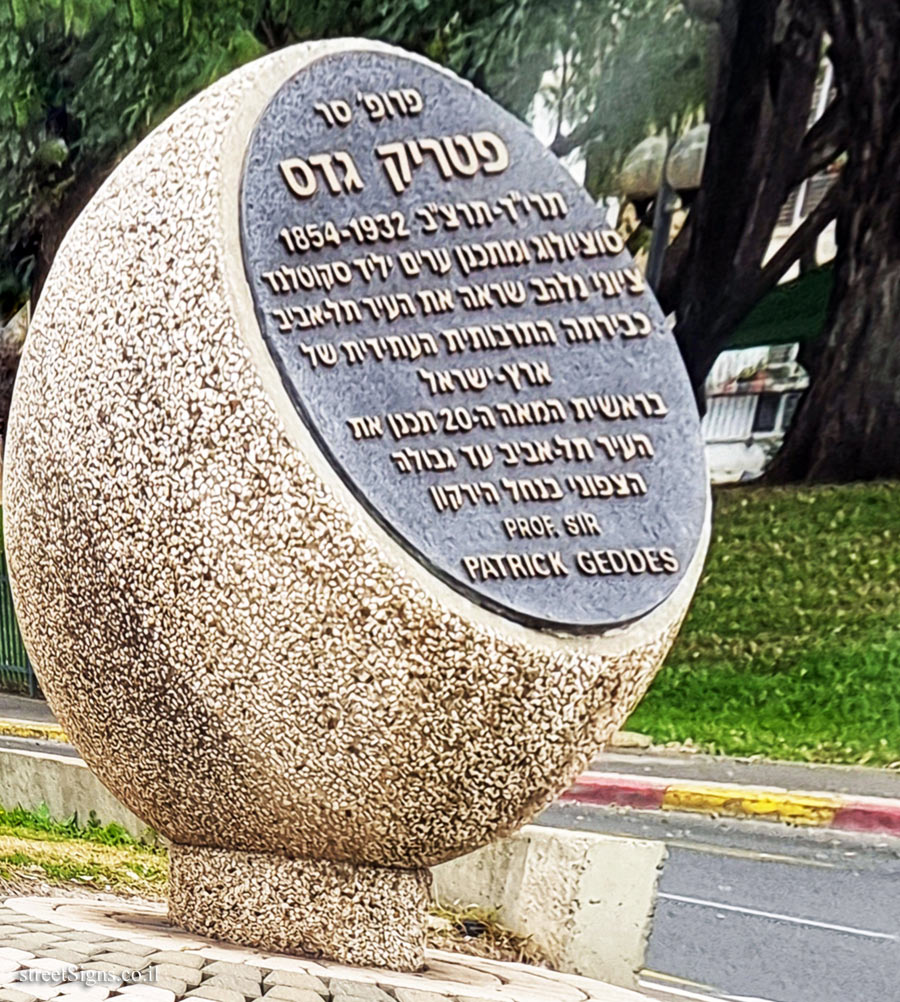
point(41, 991)
point(11, 930)
point(288, 994)
point(357, 990)
point(146, 993)
point(11, 953)
point(94, 938)
point(32, 939)
point(41, 963)
point(85, 950)
point(126, 961)
point(295, 979)
point(226, 967)
point(83, 992)
point(461, 972)
point(215, 993)
point(231, 953)
point(69, 956)
point(189, 975)
point(101, 965)
point(530, 980)
point(175, 957)
point(246, 984)
point(14, 995)
point(171, 984)
point(249, 989)
point(282, 962)
point(138, 949)
point(414, 995)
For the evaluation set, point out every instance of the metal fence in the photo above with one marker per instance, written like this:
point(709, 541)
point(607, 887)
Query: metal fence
point(16, 674)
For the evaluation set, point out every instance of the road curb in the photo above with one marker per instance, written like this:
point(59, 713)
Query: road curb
point(796, 807)
point(13, 728)
point(878, 815)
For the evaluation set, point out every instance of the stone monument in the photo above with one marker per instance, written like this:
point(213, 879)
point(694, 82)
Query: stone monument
point(354, 491)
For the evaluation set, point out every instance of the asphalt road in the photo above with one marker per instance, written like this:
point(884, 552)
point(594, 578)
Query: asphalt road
point(755, 910)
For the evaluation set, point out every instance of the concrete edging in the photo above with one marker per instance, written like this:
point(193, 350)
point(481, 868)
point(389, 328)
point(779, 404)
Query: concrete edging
point(585, 899)
point(65, 785)
point(797, 807)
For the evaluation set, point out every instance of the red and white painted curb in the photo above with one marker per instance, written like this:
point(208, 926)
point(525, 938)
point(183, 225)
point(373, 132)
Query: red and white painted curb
point(798, 807)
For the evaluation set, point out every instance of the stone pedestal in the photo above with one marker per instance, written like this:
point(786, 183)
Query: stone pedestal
point(367, 915)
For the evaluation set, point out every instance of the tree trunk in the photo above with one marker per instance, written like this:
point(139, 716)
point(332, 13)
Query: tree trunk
point(770, 57)
point(848, 427)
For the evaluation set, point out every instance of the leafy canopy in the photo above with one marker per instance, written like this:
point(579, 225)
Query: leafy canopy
point(82, 80)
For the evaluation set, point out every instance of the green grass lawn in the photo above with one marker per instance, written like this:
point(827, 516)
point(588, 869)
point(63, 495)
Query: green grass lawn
point(792, 646)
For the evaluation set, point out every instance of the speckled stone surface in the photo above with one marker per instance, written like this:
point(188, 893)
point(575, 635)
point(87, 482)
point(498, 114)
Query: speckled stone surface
point(110, 937)
point(234, 647)
point(361, 913)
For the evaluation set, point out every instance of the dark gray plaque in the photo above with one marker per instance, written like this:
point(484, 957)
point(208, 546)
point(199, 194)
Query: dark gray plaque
point(470, 345)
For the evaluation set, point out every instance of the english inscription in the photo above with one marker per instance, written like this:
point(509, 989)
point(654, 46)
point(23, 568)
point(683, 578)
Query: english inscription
point(470, 344)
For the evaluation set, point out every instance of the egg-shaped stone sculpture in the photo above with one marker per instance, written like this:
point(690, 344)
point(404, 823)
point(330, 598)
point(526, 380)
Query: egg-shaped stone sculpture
point(354, 491)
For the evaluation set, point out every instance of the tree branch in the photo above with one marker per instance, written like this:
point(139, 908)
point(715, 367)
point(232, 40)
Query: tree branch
point(676, 255)
point(563, 145)
point(799, 242)
point(823, 142)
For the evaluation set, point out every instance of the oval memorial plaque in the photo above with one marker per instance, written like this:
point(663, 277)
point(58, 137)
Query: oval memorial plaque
point(470, 344)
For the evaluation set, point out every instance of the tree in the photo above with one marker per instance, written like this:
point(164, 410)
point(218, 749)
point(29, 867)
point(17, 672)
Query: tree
point(761, 147)
point(848, 427)
point(82, 80)
point(759, 150)
point(79, 83)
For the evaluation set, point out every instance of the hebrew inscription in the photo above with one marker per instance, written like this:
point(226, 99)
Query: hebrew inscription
point(470, 344)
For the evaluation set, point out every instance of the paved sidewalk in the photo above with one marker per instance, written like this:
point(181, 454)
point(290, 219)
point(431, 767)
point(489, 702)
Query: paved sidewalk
point(66, 935)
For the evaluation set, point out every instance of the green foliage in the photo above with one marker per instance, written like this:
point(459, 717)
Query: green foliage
point(82, 80)
point(791, 312)
point(609, 72)
point(102, 856)
point(39, 823)
point(630, 68)
point(792, 646)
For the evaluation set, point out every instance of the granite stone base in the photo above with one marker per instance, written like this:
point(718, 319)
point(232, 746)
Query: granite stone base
point(356, 914)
